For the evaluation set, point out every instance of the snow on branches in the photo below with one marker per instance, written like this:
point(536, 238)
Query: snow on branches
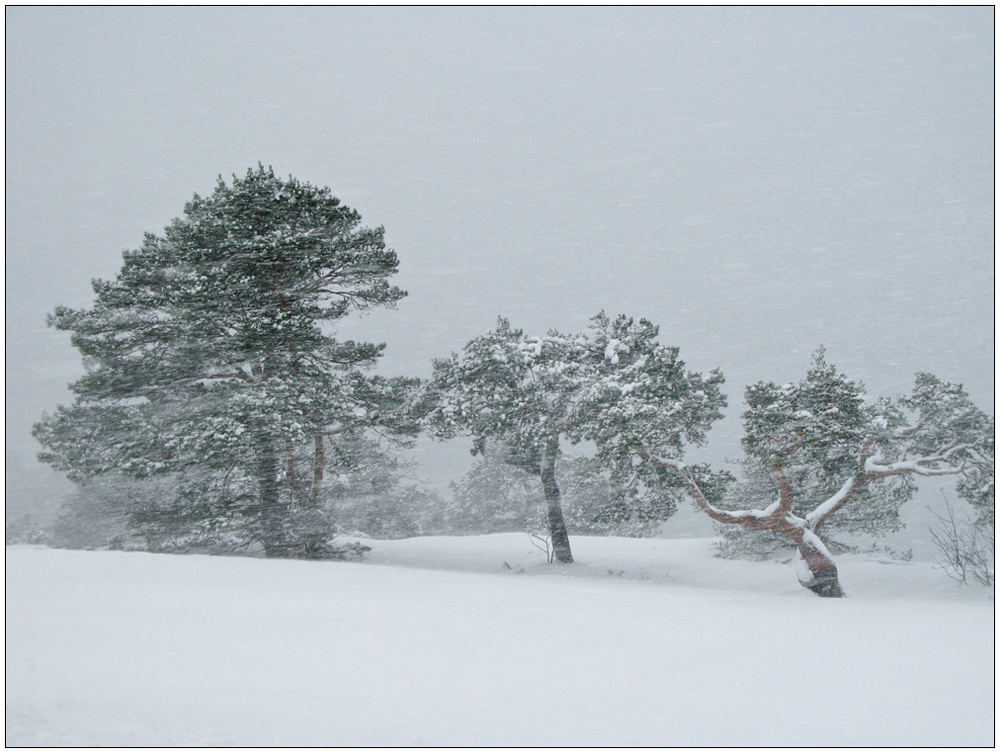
point(615, 386)
point(825, 433)
point(212, 347)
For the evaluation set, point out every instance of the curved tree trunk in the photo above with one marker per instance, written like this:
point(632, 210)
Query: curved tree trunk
point(557, 524)
point(813, 565)
point(815, 568)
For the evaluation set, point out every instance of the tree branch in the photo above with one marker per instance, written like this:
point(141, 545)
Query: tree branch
point(786, 497)
point(919, 466)
point(754, 519)
point(843, 495)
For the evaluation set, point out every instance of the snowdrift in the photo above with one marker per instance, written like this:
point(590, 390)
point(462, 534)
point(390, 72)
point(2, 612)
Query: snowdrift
point(477, 641)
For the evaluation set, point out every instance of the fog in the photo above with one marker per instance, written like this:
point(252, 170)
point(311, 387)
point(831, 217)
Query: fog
point(757, 181)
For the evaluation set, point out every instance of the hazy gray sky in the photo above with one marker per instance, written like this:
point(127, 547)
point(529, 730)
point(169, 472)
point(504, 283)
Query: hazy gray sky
point(756, 181)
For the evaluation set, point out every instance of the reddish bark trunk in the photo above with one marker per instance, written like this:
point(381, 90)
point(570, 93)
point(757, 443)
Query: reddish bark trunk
point(817, 571)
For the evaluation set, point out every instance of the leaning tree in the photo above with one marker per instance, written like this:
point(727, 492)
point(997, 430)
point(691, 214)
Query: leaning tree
point(212, 351)
point(534, 393)
point(518, 390)
point(824, 432)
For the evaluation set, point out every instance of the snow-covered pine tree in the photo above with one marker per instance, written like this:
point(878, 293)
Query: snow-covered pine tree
point(946, 414)
point(517, 390)
point(212, 350)
point(532, 393)
point(824, 435)
point(875, 513)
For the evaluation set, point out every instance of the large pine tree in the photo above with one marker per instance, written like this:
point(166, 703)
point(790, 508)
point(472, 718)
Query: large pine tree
point(213, 349)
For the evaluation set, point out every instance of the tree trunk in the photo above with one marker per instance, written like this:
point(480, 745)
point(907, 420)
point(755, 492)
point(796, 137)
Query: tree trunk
point(319, 463)
point(290, 474)
point(557, 524)
point(272, 515)
point(815, 569)
point(813, 564)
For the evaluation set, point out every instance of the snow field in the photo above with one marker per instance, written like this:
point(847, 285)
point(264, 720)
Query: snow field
point(436, 641)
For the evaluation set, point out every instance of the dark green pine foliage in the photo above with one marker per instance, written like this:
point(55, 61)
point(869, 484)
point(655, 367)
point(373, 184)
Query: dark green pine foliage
point(640, 396)
point(614, 386)
point(816, 431)
point(213, 348)
point(946, 417)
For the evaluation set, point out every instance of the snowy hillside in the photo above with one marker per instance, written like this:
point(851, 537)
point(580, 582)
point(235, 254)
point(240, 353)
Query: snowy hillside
point(477, 641)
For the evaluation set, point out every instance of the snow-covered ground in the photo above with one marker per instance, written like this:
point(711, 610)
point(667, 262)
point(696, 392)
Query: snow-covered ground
point(476, 641)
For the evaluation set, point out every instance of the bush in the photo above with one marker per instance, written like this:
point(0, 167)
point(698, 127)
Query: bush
point(965, 546)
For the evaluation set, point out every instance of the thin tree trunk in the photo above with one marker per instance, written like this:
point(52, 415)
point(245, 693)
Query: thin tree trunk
point(271, 513)
point(319, 464)
point(293, 479)
point(557, 524)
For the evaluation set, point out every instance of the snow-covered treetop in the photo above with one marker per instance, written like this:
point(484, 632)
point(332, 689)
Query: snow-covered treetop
point(826, 426)
point(219, 331)
point(614, 385)
point(823, 412)
point(640, 394)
